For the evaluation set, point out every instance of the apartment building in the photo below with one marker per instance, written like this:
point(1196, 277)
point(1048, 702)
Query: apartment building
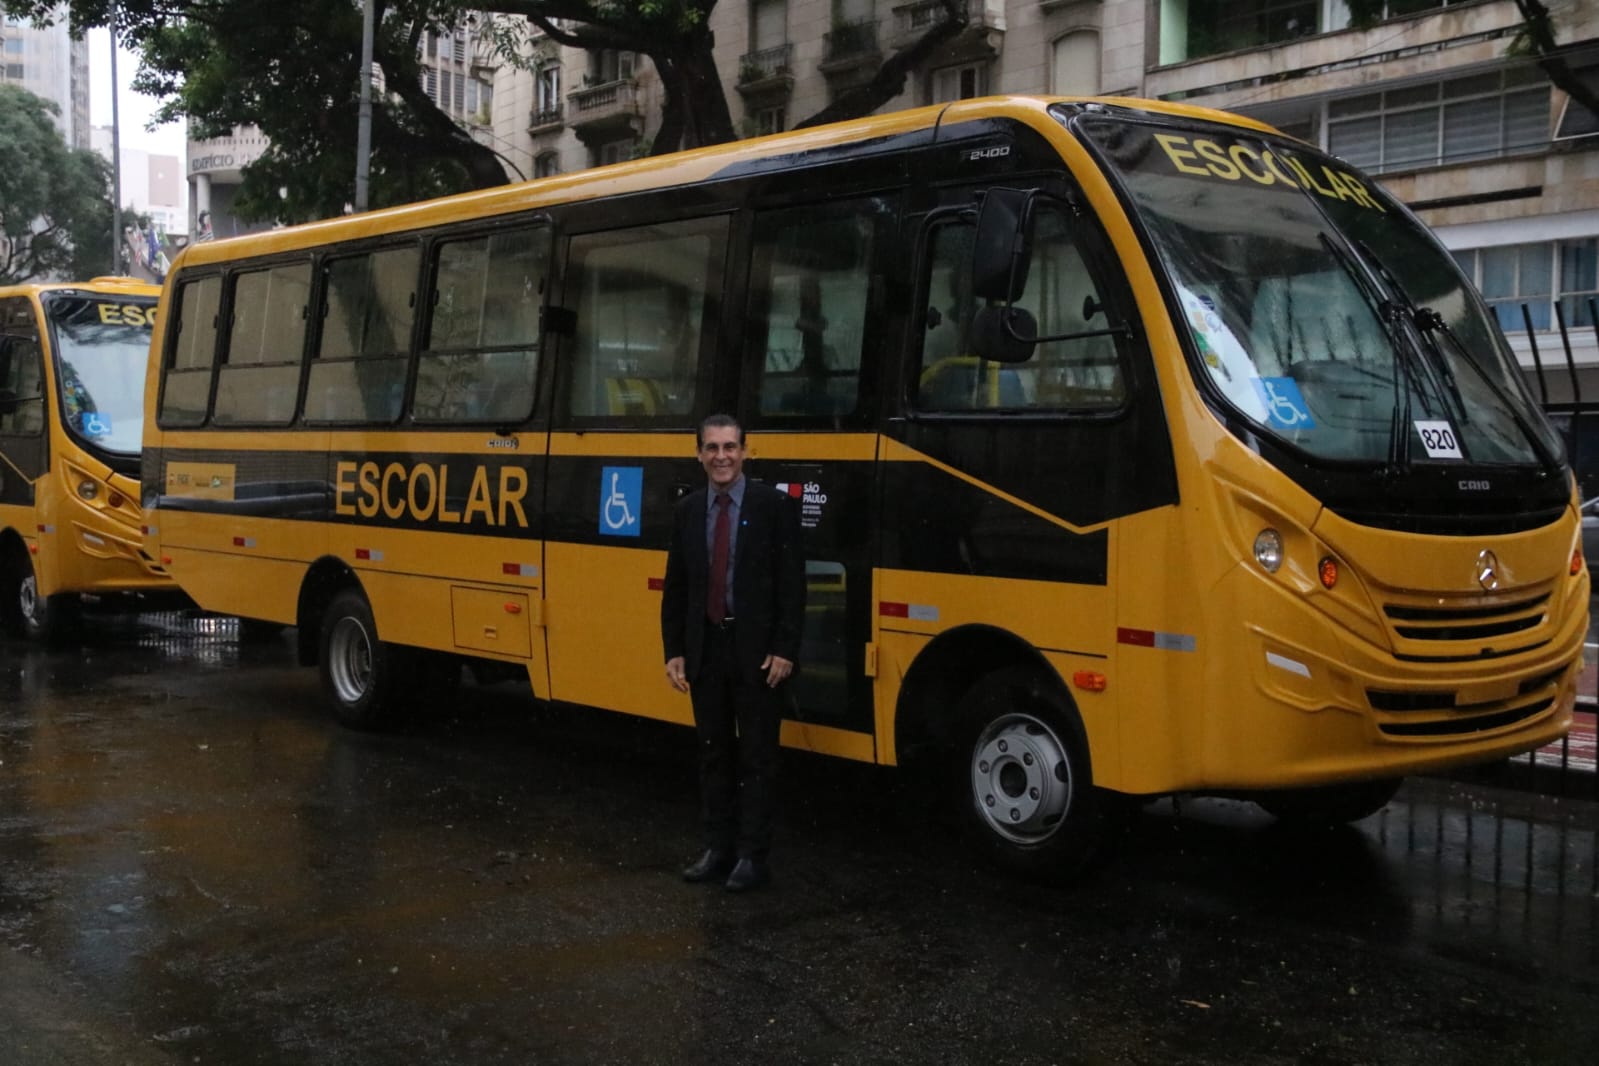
point(49, 63)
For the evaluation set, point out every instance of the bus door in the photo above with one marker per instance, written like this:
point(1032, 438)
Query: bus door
point(642, 299)
point(814, 331)
point(998, 508)
point(24, 444)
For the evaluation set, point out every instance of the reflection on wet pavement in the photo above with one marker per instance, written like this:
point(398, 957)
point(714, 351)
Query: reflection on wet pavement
point(212, 871)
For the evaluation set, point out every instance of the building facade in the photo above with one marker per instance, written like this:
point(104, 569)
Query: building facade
point(49, 63)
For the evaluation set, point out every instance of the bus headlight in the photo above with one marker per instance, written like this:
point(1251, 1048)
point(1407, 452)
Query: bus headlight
point(1269, 550)
point(88, 489)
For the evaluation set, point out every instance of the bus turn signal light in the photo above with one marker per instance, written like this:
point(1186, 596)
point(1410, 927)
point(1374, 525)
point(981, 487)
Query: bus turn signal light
point(1576, 561)
point(1327, 570)
point(1089, 680)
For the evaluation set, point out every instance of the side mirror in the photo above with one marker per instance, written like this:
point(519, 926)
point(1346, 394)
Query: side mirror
point(1003, 248)
point(1003, 334)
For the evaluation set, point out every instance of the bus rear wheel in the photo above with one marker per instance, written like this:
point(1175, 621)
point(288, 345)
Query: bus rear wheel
point(46, 619)
point(1330, 804)
point(365, 678)
point(1023, 778)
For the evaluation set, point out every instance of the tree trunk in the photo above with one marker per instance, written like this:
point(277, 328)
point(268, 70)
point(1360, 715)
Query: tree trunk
point(696, 104)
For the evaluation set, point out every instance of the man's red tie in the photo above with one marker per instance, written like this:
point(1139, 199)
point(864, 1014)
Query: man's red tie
point(716, 601)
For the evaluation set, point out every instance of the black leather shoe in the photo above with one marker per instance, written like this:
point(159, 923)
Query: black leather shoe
point(712, 866)
point(749, 874)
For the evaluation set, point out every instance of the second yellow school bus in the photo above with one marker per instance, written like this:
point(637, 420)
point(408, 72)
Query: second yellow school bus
point(73, 360)
point(1140, 449)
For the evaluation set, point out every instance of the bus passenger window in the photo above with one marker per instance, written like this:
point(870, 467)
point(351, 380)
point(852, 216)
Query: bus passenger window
point(481, 355)
point(1079, 374)
point(192, 338)
point(810, 292)
point(258, 381)
point(21, 386)
point(646, 307)
point(358, 369)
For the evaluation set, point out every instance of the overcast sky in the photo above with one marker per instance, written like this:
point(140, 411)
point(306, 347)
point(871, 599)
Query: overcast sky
point(134, 109)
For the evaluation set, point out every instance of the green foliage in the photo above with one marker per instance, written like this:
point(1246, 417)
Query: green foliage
point(55, 204)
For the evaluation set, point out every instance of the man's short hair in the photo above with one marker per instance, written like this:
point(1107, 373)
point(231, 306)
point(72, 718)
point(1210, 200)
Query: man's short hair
point(717, 421)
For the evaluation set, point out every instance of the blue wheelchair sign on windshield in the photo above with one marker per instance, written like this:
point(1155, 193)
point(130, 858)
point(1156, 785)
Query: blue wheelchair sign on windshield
point(621, 497)
point(95, 424)
point(1285, 406)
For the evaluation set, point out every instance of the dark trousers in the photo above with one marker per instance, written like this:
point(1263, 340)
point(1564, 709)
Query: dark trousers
point(738, 719)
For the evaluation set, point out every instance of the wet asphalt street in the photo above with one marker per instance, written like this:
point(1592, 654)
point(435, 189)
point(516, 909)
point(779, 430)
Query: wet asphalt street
point(198, 866)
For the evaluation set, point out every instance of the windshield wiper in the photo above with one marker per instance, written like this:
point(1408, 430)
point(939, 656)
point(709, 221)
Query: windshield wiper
point(1431, 325)
point(1407, 380)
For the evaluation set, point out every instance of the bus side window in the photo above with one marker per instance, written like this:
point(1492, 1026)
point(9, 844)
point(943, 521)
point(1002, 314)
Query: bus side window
point(481, 355)
point(358, 366)
point(258, 381)
point(191, 348)
point(809, 297)
point(1083, 373)
point(646, 300)
point(21, 386)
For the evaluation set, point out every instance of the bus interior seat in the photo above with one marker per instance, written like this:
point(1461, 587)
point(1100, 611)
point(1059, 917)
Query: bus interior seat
point(633, 396)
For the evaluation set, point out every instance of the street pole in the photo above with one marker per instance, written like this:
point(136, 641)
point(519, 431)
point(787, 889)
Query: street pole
point(363, 129)
point(116, 157)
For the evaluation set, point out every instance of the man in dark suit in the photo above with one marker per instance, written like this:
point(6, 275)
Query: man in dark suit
point(732, 608)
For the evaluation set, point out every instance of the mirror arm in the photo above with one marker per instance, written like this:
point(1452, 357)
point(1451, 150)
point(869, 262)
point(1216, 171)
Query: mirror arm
point(1112, 331)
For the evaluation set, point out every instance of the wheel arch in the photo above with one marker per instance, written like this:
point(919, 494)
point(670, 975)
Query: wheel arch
point(326, 578)
point(945, 671)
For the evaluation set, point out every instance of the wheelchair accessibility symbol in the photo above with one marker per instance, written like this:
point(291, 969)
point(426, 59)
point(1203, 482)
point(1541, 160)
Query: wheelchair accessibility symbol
point(1285, 406)
point(621, 498)
point(95, 424)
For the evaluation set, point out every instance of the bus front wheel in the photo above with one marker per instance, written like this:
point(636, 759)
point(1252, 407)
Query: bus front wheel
point(360, 674)
point(1023, 777)
point(46, 619)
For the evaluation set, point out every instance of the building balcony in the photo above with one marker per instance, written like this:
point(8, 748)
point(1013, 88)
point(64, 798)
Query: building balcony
point(546, 118)
point(606, 112)
point(985, 26)
point(849, 45)
point(768, 72)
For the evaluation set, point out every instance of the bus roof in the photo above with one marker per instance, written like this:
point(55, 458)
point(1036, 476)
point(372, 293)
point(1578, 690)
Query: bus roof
point(678, 168)
point(110, 285)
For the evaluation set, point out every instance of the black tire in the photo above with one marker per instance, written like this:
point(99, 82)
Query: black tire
point(43, 619)
point(1330, 804)
point(366, 680)
point(259, 631)
point(1023, 779)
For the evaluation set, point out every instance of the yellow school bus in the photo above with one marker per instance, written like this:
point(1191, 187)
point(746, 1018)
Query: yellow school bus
point(72, 372)
point(1140, 450)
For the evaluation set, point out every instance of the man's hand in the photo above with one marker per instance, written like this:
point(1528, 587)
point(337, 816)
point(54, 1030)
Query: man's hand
point(777, 668)
point(674, 673)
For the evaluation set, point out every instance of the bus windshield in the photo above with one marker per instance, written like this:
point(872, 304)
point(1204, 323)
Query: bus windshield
point(1317, 305)
point(102, 346)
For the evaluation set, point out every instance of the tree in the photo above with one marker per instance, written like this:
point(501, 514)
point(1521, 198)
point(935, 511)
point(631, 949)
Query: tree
point(292, 69)
point(55, 202)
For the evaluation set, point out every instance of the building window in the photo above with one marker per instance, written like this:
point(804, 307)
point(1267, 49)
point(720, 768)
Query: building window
point(614, 152)
point(1537, 275)
point(1191, 29)
point(768, 24)
point(607, 65)
point(1074, 70)
point(547, 165)
point(768, 120)
point(959, 83)
point(547, 94)
point(1575, 119)
point(1475, 117)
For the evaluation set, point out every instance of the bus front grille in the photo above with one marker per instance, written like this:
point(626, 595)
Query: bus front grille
point(1461, 724)
point(1471, 623)
point(1435, 712)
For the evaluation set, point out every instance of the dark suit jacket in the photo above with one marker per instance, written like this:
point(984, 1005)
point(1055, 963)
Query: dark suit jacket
point(768, 580)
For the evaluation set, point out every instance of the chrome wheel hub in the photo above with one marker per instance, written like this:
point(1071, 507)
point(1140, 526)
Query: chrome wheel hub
point(350, 660)
point(1021, 779)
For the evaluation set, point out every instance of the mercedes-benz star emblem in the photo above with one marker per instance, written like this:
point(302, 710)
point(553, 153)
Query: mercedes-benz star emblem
point(1488, 570)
